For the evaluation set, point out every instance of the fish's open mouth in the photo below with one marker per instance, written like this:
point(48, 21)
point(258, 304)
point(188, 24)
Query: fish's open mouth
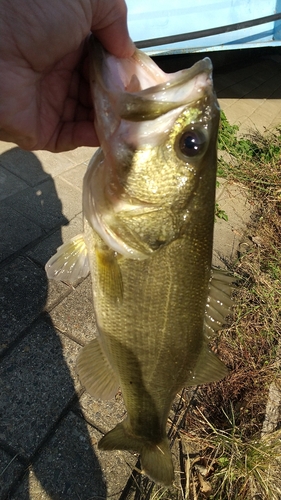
point(140, 81)
point(136, 100)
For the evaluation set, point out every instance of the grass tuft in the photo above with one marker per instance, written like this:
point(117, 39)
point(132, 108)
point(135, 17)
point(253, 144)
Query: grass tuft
point(254, 160)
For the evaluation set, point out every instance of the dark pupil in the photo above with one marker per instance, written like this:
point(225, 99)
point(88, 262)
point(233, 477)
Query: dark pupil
point(191, 143)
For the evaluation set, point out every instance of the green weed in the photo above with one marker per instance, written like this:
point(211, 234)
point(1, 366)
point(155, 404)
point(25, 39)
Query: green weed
point(220, 213)
point(254, 160)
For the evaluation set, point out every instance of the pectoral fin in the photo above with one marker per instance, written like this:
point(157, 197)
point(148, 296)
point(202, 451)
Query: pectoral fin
point(70, 262)
point(95, 372)
point(209, 368)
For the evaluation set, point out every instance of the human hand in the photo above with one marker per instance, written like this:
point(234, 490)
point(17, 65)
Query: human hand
point(45, 100)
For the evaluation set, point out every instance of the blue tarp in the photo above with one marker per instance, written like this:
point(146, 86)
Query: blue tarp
point(164, 18)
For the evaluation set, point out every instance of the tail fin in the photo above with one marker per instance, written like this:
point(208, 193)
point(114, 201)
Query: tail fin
point(156, 459)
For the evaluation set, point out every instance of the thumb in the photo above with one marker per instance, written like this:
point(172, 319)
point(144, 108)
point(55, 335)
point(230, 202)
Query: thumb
point(110, 27)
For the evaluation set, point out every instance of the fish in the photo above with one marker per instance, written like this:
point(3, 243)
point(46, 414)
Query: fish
point(149, 207)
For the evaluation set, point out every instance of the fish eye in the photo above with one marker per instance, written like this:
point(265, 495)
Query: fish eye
point(192, 142)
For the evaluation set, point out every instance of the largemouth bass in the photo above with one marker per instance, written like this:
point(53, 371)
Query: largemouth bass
point(149, 203)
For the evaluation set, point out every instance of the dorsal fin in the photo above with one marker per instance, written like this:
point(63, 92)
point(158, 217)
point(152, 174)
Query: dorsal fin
point(219, 301)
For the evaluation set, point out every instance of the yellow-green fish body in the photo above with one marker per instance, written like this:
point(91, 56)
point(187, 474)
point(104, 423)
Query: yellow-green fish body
point(148, 201)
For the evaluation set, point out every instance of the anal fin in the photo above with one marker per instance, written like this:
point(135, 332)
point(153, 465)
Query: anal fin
point(95, 372)
point(209, 368)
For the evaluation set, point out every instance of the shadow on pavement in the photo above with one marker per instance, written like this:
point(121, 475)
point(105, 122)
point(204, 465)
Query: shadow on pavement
point(250, 73)
point(44, 446)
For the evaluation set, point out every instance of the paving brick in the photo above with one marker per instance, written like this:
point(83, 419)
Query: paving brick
point(275, 121)
point(67, 467)
point(45, 249)
point(260, 120)
point(25, 165)
point(57, 291)
point(16, 231)
point(54, 164)
point(23, 293)
point(275, 97)
point(247, 93)
point(70, 467)
point(80, 155)
point(9, 183)
point(75, 314)
point(49, 204)
point(103, 415)
point(10, 469)
point(75, 175)
point(6, 146)
point(266, 88)
point(48, 246)
point(74, 227)
point(241, 112)
point(71, 198)
point(37, 381)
